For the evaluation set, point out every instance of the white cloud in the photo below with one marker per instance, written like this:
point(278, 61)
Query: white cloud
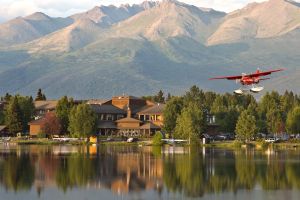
point(12, 8)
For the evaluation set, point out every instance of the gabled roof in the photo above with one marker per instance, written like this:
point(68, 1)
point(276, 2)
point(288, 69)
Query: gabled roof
point(107, 109)
point(155, 109)
point(45, 105)
point(128, 119)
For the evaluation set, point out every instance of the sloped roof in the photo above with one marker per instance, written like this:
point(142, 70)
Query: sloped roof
point(155, 109)
point(45, 105)
point(97, 101)
point(128, 119)
point(150, 125)
point(107, 109)
point(37, 122)
point(2, 128)
point(125, 97)
point(107, 124)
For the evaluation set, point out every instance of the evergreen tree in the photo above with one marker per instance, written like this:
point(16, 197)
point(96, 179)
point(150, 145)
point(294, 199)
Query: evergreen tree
point(159, 98)
point(274, 121)
point(191, 123)
point(209, 100)
point(27, 110)
point(13, 116)
point(7, 97)
point(219, 105)
point(293, 121)
point(287, 103)
point(169, 96)
point(171, 112)
point(246, 126)
point(62, 110)
point(83, 121)
point(194, 95)
point(40, 96)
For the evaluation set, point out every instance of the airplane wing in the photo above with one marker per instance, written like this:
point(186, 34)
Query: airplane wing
point(227, 77)
point(264, 73)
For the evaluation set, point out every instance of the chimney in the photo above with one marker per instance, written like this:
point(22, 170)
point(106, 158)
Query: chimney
point(128, 112)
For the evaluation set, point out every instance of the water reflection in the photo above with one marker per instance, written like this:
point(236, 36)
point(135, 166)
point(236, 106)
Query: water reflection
point(191, 172)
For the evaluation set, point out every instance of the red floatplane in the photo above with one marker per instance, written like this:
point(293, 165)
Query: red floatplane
point(249, 79)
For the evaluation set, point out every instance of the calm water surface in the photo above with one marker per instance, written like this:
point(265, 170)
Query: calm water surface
point(83, 173)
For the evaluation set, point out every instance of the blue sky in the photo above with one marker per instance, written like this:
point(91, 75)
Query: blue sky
point(60, 8)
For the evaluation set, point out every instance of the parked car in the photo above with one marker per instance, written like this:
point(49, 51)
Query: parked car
point(206, 136)
point(132, 140)
point(271, 140)
point(224, 136)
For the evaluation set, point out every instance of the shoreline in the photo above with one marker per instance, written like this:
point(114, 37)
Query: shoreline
point(217, 144)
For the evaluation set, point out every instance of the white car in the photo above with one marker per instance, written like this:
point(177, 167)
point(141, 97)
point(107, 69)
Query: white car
point(271, 140)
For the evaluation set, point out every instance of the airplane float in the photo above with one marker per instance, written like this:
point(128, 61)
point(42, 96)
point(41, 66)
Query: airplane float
point(249, 79)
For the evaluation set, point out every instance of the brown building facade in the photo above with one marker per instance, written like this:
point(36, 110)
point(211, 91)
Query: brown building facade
point(129, 116)
point(120, 116)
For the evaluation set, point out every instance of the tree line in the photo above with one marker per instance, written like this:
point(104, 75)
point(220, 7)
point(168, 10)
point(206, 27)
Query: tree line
point(68, 118)
point(186, 116)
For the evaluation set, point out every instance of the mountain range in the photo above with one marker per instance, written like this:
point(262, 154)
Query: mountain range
point(142, 48)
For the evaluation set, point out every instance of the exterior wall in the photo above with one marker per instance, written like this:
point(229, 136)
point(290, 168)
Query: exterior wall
point(123, 101)
point(128, 124)
point(34, 130)
point(120, 102)
point(110, 117)
point(156, 119)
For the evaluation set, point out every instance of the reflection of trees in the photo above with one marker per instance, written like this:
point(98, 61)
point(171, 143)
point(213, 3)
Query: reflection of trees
point(195, 174)
point(185, 173)
point(271, 174)
point(293, 174)
point(76, 170)
point(246, 170)
point(128, 170)
point(17, 173)
point(224, 176)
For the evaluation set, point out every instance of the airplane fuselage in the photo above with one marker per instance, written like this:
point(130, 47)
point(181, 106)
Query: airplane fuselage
point(249, 80)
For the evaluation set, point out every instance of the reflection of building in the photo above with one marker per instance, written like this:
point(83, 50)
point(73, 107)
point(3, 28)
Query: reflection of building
point(137, 172)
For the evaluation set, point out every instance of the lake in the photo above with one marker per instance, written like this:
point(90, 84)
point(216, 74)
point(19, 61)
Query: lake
point(130, 172)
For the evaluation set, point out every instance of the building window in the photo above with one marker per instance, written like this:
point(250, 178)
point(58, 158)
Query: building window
point(109, 117)
point(147, 117)
point(102, 117)
point(142, 117)
point(152, 117)
point(120, 116)
point(158, 117)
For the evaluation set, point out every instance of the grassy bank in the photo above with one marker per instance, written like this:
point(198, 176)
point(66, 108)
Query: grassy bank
point(45, 141)
point(42, 141)
point(147, 142)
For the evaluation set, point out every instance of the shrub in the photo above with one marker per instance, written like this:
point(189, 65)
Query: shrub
point(42, 135)
point(157, 139)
